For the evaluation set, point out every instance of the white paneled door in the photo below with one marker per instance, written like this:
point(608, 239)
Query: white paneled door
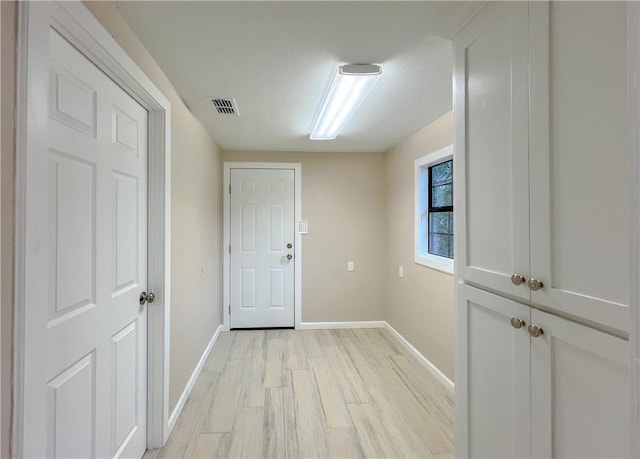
point(86, 352)
point(262, 248)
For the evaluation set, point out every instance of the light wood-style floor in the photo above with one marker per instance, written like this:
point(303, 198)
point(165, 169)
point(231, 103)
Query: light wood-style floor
point(313, 394)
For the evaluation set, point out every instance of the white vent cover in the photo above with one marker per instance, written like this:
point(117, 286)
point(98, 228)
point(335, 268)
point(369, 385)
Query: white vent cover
point(226, 106)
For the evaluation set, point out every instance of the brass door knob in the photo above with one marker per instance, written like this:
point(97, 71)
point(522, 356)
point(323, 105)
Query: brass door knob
point(535, 331)
point(517, 279)
point(147, 298)
point(517, 323)
point(535, 284)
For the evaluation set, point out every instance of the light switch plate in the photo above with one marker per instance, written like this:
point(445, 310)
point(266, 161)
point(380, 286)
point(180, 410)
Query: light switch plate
point(350, 266)
point(400, 271)
point(303, 227)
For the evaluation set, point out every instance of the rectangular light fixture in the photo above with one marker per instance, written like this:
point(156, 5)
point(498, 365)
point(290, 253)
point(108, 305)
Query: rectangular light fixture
point(347, 90)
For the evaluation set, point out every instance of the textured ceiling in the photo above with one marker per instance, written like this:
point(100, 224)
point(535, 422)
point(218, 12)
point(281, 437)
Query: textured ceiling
point(276, 59)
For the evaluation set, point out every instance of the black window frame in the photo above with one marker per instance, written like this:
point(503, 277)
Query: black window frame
point(437, 209)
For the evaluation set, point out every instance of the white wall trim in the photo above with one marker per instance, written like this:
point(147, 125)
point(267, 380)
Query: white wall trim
point(74, 21)
point(337, 325)
point(226, 222)
point(192, 380)
point(421, 358)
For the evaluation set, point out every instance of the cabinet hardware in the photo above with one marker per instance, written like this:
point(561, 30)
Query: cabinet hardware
point(535, 331)
point(535, 284)
point(517, 323)
point(517, 279)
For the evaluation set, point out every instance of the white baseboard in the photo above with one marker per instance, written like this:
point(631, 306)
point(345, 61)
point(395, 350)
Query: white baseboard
point(192, 380)
point(421, 358)
point(335, 325)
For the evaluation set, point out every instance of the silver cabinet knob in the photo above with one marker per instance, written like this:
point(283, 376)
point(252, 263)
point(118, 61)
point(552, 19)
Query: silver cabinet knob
point(147, 298)
point(517, 323)
point(535, 284)
point(517, 279)
point(534, 331)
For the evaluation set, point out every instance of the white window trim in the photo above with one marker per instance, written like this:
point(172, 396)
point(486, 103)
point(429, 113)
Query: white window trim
point(430, 261)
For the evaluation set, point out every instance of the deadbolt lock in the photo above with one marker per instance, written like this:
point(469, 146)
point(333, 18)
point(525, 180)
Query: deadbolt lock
point(289, 245)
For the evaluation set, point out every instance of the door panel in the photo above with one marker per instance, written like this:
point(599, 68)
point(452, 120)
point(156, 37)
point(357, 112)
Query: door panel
point(580, 161)
point(262, 224)
point(94, 252)
point(491, 148)
point(70, 410)
point(580, 391)
point(492, 376)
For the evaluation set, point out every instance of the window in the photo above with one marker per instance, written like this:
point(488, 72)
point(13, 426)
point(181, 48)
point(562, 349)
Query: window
point(434, 210)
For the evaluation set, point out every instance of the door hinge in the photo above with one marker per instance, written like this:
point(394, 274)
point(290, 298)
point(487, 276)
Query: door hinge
point(229, 249)
point(229, 188)
point(229, 309)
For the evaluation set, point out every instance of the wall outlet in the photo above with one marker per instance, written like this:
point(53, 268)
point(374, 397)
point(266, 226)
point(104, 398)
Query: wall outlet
point(401, 271)
point(350, 266)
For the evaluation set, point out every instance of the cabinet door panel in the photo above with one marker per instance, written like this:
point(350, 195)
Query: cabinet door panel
point(491, 148)
point(580, 395)
point(580, 159)
point(492, 376)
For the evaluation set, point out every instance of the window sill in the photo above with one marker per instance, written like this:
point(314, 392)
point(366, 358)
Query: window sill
point(442, 264)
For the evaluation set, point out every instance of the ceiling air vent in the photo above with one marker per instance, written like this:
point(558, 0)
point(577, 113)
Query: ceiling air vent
point(226, 106)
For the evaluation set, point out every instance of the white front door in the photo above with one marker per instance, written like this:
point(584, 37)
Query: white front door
point(262, 248)
point(86, 257)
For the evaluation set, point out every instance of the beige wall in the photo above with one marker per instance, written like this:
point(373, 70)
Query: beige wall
point(343, 198)
point(7, 161)
point(196, 296)
point(421, 304)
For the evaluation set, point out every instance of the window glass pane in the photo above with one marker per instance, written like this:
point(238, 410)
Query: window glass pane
point(442, 173)
point(439, 244)
point(441, 222)
point(442, 195)
point(450, 246)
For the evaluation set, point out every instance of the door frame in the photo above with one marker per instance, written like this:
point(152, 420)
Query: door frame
point(226, 224)
point(74, 22)
point(633, 56)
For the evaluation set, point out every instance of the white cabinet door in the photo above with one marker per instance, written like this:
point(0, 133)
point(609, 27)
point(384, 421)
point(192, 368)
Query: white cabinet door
point(492, 376)
point(491, 148)
point(580, 397)
point(580, 159)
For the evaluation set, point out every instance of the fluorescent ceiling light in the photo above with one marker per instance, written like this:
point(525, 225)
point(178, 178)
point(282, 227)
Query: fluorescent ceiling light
point(347, 90)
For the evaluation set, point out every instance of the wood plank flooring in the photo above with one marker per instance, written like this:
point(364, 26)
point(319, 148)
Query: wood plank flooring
point(313, 394)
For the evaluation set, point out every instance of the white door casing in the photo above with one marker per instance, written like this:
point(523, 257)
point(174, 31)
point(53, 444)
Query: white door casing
point(262, 248)
point(82, 240)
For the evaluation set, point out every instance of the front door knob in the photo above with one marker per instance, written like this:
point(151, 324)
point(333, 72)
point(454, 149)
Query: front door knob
point(287, 256)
